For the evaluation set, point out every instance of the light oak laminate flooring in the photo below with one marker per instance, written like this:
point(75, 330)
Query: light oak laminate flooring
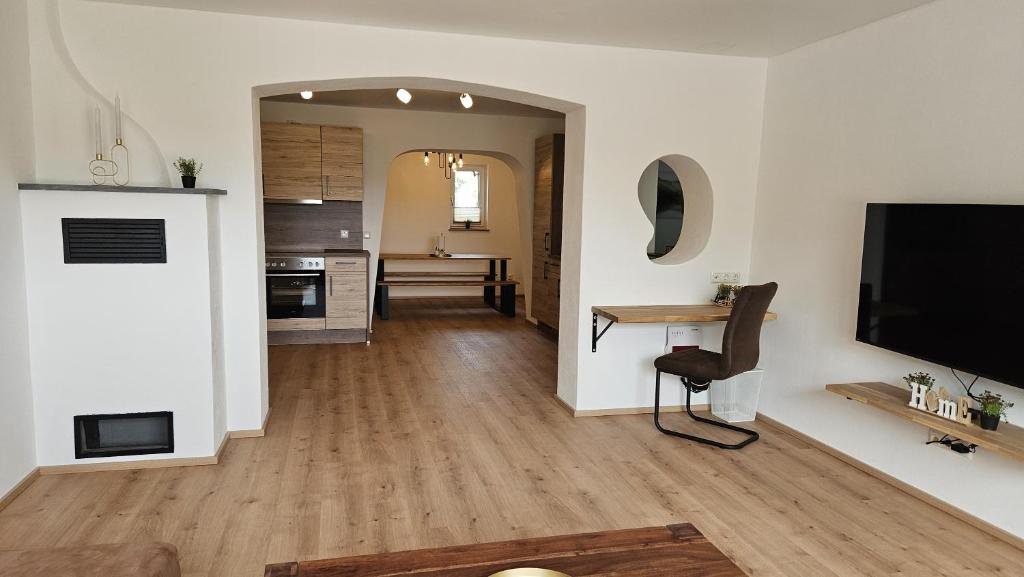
point(445, 431)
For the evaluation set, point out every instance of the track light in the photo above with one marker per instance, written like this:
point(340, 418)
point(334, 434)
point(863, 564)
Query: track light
point(466, 100)
point(426, 159)
point(404, 95)
point(306, 94)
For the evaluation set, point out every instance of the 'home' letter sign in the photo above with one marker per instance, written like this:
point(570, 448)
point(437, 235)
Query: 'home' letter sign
point(924, 399)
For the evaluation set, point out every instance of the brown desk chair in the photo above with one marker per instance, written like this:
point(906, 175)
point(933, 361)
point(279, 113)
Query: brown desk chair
point(740, 351)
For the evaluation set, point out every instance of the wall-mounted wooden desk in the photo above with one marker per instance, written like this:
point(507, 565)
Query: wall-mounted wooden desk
point(660, 314)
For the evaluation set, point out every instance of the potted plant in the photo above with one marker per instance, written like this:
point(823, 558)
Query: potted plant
point(993, 408)
point(921, 378)
point(726, 294)
point(189, 170)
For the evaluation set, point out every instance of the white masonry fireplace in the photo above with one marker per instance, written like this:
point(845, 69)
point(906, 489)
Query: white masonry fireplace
point(125, 333)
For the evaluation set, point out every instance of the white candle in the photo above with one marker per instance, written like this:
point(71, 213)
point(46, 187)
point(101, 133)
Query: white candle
point(99, 133)
point(117, 117)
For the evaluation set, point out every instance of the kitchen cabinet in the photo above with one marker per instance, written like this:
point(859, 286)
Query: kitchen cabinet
point(291, 162)
point(309, 163)
point(342, 162)
point(549, 176)
point(347, 292)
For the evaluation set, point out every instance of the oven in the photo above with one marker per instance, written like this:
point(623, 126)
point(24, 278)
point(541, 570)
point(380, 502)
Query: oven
point(295, 287)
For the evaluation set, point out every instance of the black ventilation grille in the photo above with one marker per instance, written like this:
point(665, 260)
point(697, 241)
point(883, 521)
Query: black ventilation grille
point(114, 240)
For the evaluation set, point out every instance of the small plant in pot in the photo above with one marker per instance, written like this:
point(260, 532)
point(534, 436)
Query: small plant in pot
point(993, 408)
point(726, 294)
point(921, 378)
point(189, 170)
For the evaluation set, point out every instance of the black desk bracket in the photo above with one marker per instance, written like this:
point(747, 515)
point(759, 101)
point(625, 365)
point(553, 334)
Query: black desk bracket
point(594, 335)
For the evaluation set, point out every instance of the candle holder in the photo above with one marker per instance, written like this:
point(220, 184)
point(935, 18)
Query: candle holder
point(102, 169)
point(120, 159)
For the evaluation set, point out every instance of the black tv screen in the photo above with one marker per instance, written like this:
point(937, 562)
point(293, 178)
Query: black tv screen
point(945, 283)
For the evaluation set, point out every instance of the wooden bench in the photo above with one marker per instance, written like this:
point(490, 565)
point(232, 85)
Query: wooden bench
point(507, 289)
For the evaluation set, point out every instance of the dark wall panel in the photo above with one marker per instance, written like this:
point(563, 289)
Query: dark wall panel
point(313, 227)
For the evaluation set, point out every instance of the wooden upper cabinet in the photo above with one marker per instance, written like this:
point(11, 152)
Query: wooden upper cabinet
point(291, 162)
point(342, 163)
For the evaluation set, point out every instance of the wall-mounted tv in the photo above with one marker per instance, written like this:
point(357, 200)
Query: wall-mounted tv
point(945, 283)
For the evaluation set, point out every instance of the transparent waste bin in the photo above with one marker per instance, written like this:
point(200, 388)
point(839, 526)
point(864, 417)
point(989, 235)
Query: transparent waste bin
point(735, 400)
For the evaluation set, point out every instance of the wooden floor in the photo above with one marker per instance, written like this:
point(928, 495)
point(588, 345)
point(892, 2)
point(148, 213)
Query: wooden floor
point(445, 432)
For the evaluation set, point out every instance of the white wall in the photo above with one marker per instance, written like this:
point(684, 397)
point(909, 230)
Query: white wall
point(121, 338)
point(16, 164)
point(418, 208)
point(922, 107)
point(389, 133)
point(188, 78)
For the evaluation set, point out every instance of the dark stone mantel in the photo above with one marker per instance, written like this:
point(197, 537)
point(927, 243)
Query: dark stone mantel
point(115, 188)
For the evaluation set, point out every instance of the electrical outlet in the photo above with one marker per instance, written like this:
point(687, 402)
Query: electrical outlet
point(725, 277)
point(344, 234)
point(366, 235)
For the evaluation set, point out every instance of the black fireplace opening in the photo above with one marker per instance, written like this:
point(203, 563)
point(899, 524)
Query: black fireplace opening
point(124, 434)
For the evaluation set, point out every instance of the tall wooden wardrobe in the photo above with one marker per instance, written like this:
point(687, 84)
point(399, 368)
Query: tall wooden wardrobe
point(549, 178)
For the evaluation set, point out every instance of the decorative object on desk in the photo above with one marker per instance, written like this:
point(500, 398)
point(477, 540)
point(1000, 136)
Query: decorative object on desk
point(726, 294)
point(189, 170)
point(101, 168)
point(440, 247)
point(993, 408)
point(119, 152)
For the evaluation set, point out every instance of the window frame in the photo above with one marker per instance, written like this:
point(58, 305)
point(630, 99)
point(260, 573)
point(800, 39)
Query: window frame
point(482, 188)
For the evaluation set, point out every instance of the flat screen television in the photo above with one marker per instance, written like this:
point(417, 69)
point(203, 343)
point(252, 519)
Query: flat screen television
point(945, 283)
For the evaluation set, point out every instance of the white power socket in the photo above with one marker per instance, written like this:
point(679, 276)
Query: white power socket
point(725, 277)
point(366, 235)
point(344, 234)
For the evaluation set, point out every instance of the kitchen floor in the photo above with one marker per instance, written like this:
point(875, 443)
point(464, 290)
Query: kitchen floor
point(445, 431)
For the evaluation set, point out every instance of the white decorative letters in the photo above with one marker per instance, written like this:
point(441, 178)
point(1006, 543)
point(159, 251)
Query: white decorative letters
point(918, 392)
point(948, 410)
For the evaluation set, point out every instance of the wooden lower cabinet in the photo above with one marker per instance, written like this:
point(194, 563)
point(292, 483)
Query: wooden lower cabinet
point(347, 304)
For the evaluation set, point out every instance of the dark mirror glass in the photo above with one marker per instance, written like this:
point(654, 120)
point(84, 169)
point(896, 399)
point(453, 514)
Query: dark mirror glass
point(661, 195)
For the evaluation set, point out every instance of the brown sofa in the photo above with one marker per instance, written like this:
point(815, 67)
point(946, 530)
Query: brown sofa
point(118, 560)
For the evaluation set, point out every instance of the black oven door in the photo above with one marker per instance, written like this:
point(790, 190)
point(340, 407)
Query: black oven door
point(295, 295)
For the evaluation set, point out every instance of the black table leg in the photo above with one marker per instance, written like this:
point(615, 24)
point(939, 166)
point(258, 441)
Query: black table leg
point(489, 290)
point(508, 299)
point(380, 292)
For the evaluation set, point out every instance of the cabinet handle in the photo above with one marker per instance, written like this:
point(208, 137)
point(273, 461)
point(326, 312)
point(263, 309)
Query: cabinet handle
point(344, 262)
point(545, 270)
point(547, 239)
point(327, 185)
point(332, 286)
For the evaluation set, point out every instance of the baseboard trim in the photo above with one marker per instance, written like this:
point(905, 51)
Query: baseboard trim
point(250, 433)
point(627, 410)
point(939, 504)
point(18, 489)
point(127, 465)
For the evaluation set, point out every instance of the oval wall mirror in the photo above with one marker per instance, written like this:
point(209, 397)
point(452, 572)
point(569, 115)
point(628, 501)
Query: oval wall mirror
point(661, 195)
point(675, 194)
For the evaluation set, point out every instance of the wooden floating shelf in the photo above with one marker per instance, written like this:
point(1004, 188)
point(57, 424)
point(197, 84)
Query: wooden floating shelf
point(1008, 440)
point(668, 313)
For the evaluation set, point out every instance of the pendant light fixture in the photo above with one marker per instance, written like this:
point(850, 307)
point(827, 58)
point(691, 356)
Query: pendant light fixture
point(448, 161)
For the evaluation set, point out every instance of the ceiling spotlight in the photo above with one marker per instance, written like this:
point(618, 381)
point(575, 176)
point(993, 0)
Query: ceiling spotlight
point(403, 95)
point(306, 94)
point(426, 159)
point(466, 100)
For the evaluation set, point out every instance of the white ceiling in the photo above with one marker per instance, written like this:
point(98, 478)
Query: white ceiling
point(422, 101)
point(735, 27)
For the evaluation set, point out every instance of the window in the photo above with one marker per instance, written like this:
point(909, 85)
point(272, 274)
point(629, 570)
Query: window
point(469, 198)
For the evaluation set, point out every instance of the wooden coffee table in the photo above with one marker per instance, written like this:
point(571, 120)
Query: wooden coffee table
point(672, 551)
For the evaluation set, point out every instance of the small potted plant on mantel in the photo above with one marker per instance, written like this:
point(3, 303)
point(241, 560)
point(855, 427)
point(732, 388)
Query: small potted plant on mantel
point(993, 408)
point(189, 170)
point(921, 378)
